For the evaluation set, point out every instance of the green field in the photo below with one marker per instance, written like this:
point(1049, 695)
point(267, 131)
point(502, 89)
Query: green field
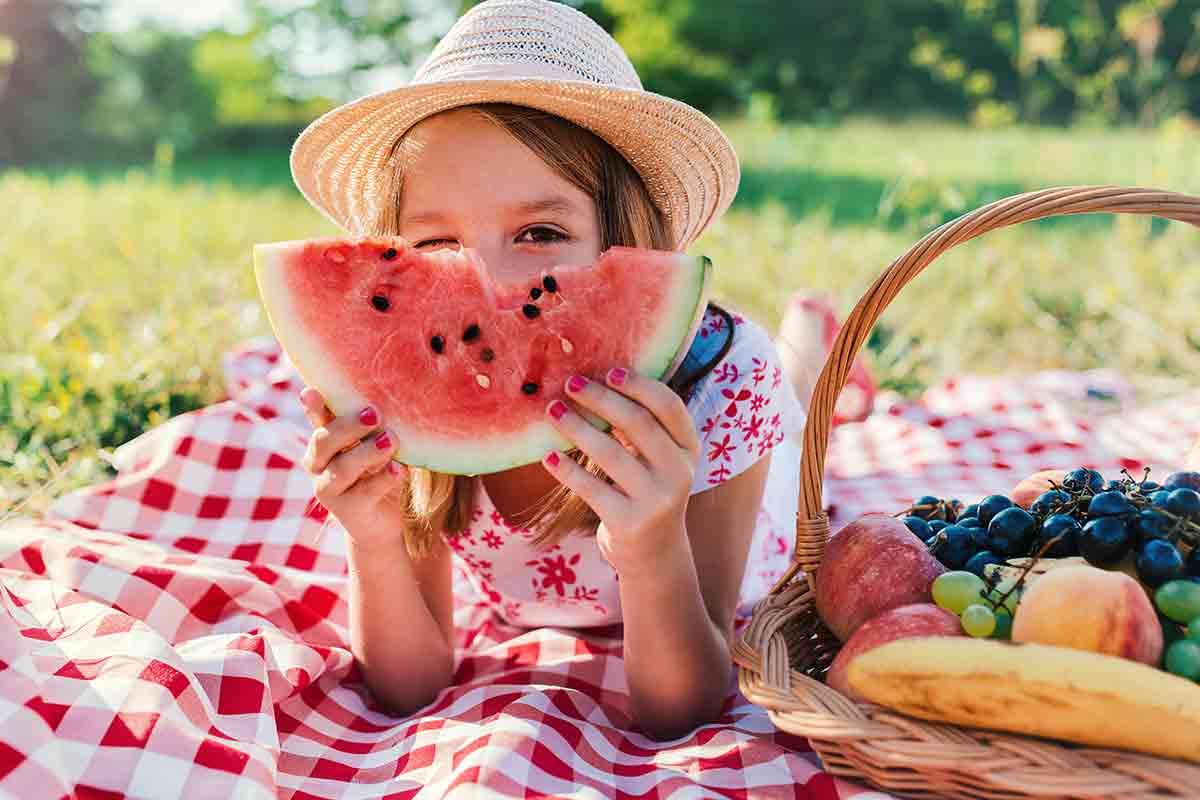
point(121, 287)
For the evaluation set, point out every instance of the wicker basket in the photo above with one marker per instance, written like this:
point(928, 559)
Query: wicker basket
point(785, 650)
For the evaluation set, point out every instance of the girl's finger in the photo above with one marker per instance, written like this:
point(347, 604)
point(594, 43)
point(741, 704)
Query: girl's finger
point(382, 482)
point(314, 407)
point(659, 400)
point(343, 471)
point(637, 423)
point(608, 503)
point(616, 461)
point(339, 435)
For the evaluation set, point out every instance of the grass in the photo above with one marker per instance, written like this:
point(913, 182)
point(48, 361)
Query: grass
point(122, 287)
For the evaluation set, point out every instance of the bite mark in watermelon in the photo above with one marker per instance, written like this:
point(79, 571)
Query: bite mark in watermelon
point(461, 365)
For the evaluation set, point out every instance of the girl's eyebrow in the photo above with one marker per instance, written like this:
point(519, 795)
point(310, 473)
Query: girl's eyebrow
point(551, 203)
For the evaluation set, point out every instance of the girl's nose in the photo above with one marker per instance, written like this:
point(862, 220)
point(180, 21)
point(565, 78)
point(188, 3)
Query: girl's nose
point(500, 261)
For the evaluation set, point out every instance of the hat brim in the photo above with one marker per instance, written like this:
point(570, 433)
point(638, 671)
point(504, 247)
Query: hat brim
point(340, 161)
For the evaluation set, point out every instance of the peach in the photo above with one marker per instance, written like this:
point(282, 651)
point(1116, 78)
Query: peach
point(905, 622)
point(1028, 490)
point(1093, 609)
point(872, 565)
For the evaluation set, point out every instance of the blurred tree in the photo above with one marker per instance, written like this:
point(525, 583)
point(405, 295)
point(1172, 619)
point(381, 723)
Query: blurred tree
point(150, 94)
point(332, 47)
point(805, 58)
point(1108, 61)
point(44, 80)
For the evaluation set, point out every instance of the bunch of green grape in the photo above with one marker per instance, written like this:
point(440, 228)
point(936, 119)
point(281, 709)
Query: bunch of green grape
point(985, 609)
point(1178, 604)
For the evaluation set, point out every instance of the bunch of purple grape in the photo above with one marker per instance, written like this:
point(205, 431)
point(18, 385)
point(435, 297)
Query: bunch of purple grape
point(1102, 520)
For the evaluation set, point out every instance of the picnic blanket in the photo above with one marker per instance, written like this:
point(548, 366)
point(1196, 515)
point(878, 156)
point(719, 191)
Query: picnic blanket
point(181, 631)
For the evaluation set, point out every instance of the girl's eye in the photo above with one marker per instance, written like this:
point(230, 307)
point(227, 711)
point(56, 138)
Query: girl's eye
point(437, 244)
point(541, 235)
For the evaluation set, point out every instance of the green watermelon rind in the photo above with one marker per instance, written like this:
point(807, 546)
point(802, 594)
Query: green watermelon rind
point(660, 358)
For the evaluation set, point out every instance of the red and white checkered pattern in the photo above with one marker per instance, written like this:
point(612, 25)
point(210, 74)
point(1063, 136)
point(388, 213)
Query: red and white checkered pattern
point(180, 631)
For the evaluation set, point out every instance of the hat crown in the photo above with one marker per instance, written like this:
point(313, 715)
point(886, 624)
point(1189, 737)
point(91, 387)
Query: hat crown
point(514, 39)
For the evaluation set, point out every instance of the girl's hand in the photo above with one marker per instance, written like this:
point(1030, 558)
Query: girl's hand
point(353, 474)
point(651, 456)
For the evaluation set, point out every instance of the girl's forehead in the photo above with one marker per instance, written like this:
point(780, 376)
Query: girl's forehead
point(462, 153)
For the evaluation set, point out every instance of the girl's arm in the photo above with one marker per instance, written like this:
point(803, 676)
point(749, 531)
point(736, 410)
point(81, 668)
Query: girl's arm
point(679, 611)
point(401, 629)
point(401, 624)
point(679, 559)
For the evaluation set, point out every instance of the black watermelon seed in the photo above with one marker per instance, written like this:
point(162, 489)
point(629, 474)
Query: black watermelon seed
point(550, 284)
point(529, 388)
point(535, 293)
point(438, 344)
point(471, 333)
point(530, 310)
point(389, 254)
point(380, 302)
point(487, 354)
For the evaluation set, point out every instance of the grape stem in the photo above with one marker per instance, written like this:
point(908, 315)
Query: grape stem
point(1020, 582)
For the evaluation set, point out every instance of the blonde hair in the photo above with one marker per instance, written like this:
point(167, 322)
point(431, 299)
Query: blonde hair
point(437, 502)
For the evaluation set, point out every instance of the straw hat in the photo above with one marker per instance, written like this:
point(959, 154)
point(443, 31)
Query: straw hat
point(534, 53)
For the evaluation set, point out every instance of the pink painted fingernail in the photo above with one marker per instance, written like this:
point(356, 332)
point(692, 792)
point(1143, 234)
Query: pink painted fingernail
point(551, 458)
point(393, 468)
point(368, 416)
point(617, 376)
point(576, 383)
point(383, 441)
point(557, 409)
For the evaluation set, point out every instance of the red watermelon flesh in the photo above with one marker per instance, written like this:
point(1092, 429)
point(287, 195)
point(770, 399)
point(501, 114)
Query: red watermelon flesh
point(461, 365)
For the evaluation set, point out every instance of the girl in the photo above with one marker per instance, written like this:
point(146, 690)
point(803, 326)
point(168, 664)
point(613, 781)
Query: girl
point(527, 138)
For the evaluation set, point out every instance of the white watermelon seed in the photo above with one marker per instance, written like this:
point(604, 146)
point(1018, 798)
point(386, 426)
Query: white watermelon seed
point(567, 347)
point(336, 256)
point(483, 380)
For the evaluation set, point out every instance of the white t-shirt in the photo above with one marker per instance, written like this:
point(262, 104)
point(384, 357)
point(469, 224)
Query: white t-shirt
point(743, 409)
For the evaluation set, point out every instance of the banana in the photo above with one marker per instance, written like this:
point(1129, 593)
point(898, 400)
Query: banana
point(1033, 689)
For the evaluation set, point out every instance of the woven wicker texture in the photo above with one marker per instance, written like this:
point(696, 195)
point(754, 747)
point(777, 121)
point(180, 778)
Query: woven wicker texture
point(786, 649)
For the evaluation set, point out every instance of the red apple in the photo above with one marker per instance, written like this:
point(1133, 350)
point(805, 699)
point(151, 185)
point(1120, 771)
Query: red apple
point(918, 619)
point(872, 565)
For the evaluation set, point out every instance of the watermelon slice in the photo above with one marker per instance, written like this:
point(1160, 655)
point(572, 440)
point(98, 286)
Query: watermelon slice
point(460, 364)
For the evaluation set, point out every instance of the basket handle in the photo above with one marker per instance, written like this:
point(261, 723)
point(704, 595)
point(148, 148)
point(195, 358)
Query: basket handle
point(812, 524)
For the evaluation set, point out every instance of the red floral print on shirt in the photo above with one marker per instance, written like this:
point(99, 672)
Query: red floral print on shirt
point(556, 572)
point(759, 373)
point(721, 450)
point(731, 410)
point(726, 372)
point(753, 428)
